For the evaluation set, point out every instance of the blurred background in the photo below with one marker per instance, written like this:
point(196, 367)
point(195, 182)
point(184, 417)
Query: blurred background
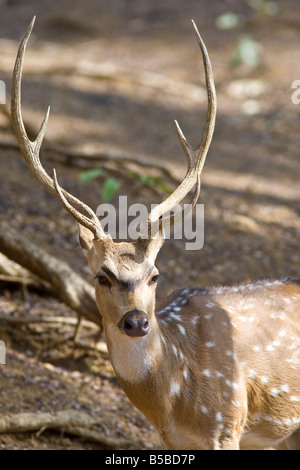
point(116, 75)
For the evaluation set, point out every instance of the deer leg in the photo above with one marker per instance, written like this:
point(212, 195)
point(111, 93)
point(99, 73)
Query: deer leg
point(293, 441)
point(229, 441)
point(229, 444)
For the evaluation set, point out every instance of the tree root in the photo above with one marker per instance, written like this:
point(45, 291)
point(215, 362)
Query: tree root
point(68, 285)
point(11, 272)
point(76, 423)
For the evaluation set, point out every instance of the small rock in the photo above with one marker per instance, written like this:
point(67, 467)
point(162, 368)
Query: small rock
point(247, 88)
point(244, 223)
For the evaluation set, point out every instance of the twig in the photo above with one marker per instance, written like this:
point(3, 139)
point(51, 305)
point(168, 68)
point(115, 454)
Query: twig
point(76, 157)
point(55, 320)
point(84, 157)
point(72, 422)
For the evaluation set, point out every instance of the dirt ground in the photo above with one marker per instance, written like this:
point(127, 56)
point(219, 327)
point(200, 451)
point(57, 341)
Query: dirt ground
point(116, 75)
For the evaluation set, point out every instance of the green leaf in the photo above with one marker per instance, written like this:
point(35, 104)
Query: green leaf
point(247, 52)
point(229, 20)
point(164, 188)
point(155, 181)
point(265, 7)
point(89, 175)
point(110, 187)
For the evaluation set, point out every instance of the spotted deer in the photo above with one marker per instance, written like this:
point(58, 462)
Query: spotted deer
point(211, 368)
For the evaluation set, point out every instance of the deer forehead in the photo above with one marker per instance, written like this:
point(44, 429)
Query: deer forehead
point(127, 271)
point(124, 262)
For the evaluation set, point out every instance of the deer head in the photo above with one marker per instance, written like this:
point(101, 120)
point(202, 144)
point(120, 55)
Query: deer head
point(125, 273)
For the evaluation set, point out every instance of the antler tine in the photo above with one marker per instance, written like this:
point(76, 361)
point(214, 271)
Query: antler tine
point(91, 223)
point(195, 156)
point(30, 150)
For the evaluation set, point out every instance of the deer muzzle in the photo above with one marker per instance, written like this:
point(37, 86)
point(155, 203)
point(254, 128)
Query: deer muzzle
point(134, 323)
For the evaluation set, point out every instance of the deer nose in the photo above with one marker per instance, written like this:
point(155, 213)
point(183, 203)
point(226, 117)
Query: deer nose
point(134, 323)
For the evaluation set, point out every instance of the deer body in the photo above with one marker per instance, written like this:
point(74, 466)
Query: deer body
point(215, 368)
point(221, 374)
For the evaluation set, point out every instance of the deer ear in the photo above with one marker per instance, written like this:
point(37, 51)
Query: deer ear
point(86, 238)
point(152, 246)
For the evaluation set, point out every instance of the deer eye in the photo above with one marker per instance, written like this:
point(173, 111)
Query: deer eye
point(154, 279)
point(103, 280)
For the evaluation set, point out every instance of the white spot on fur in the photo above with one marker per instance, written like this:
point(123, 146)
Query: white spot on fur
point(175, 388)
point(242, 318)
point(275, 392)
point(294, 398)
point(181, 355)
point(182, 329)
point(174, 350)
point(233, 385)
point(236, 403)
point(207, 373)
point(174, 316)
point(264, 380)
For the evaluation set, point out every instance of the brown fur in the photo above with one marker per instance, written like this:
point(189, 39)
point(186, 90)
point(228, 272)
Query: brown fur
point(219, 374)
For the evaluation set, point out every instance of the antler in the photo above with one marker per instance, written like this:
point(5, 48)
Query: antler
point(195, 156)
point(30, 150)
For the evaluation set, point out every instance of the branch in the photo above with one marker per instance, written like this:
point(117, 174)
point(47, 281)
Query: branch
point(69, 286)
point(72, 422)
point(13, 272)
point(85, 157)
point(77, 157)
point(25, 320)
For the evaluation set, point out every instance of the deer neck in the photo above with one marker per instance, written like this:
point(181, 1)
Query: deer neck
point(134, 359)
point(141, 369)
